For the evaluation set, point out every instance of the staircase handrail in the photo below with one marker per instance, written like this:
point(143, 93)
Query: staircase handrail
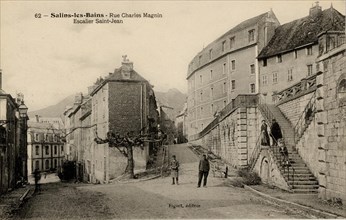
point(255, 153)
point(269, 116)
point(303, 117)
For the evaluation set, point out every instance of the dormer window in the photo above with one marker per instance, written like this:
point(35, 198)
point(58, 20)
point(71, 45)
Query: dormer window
point(279, 58)
point(223, 46)
point(211, 54)
point(251, 35)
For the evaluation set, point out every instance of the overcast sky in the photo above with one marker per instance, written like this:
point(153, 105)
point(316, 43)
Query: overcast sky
point(48, 59)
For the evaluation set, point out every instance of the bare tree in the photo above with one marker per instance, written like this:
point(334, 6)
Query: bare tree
point(125, 145)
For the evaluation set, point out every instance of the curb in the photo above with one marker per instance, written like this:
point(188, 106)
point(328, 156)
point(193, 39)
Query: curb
point(21, 199)
point(295, 205)
point(138, 180)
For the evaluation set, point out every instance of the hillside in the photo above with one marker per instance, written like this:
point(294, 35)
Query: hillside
point(173, 98)
point(56, 110)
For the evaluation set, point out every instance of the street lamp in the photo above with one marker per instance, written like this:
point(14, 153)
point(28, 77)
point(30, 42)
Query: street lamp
point(23, 110)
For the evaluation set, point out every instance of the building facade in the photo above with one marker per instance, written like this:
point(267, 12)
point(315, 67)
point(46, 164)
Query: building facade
point(45, 147)
point(226, 68)
point(290, 56)
point(331, 117)
point(122, 103)
point(13, 125)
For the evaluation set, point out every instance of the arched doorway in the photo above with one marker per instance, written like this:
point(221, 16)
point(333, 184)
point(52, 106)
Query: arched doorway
point(264, 173)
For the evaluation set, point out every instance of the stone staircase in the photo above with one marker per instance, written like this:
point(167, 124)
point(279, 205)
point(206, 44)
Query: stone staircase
point(298, 176)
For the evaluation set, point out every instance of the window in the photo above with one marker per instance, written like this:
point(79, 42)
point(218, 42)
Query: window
point(233, 64)
point(201, 110)
point(330, 43)
point(233, 84)
point(55, 149)
point(211, 74)
point(342, 86)
point(279, 58)
point(62, 148)
point(231, 42)
point(36, 137)
point(224, 87)
point(252, 68)
point(264, 62)
point(224, 68)
point(309, 50)
point(37, 150)
point(45, 137)
point(54, 137)
point(295, 54)
point(55, 163)
point(223, 46)
point(202, 126)
point(309, 69)
point(47, 164)
point(264, 80)
point(211, 54)
point(224, 103)
point(251, 35)
point(201, 97)
point(212, 93)
point(275, 78)
point(290, 75)
point(37, 164)
point(200, 78)
point(212, 108)
point(252, 88)
point(47, 150)
point(200, 60)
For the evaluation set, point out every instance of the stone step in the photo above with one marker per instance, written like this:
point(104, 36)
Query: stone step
point(300, 175)
point(303, 182)
point(306, 191)
point(305, 186)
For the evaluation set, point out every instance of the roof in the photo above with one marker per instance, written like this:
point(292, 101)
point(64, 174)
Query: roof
point(302, 32)
point(117, 76)
point(245, 24)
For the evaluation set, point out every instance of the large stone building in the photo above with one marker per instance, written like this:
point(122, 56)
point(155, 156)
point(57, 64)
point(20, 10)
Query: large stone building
point(13, 126)
point(124, 103)
point(309, 106)
point(226, 68)
point(329, 138)
point(290, 56)
point(45, 146)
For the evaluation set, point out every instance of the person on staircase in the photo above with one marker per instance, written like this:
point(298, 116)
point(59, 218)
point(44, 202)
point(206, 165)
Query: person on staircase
point(174, 170)
point(283, 151)
point(276, 132)
point(264, 134)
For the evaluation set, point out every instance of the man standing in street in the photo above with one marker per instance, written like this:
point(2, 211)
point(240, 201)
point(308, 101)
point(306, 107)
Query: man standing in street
point(203, 171)
point(37, 177)
point(174, 169)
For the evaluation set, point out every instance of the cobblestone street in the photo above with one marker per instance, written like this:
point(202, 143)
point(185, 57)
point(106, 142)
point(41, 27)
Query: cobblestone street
point(155, 198)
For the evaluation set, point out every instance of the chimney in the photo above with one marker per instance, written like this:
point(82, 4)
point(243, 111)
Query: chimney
point(78, 98)
point(126, 68)
point(37, 118)
point(315, 10)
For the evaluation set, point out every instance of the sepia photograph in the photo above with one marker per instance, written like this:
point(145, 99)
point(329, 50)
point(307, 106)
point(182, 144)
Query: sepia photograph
point(172, 109)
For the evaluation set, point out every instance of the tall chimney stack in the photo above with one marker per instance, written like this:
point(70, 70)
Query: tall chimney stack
point(126, 68)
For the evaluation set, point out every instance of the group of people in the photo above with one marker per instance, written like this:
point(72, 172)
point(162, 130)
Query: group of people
point(203, 171)
point(277, 139)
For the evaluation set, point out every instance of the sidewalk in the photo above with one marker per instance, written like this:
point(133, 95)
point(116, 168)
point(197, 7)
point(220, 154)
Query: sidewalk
point(11, 201)
point(308, 200)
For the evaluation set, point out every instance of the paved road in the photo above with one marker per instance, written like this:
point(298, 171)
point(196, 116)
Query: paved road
point(153, 199)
